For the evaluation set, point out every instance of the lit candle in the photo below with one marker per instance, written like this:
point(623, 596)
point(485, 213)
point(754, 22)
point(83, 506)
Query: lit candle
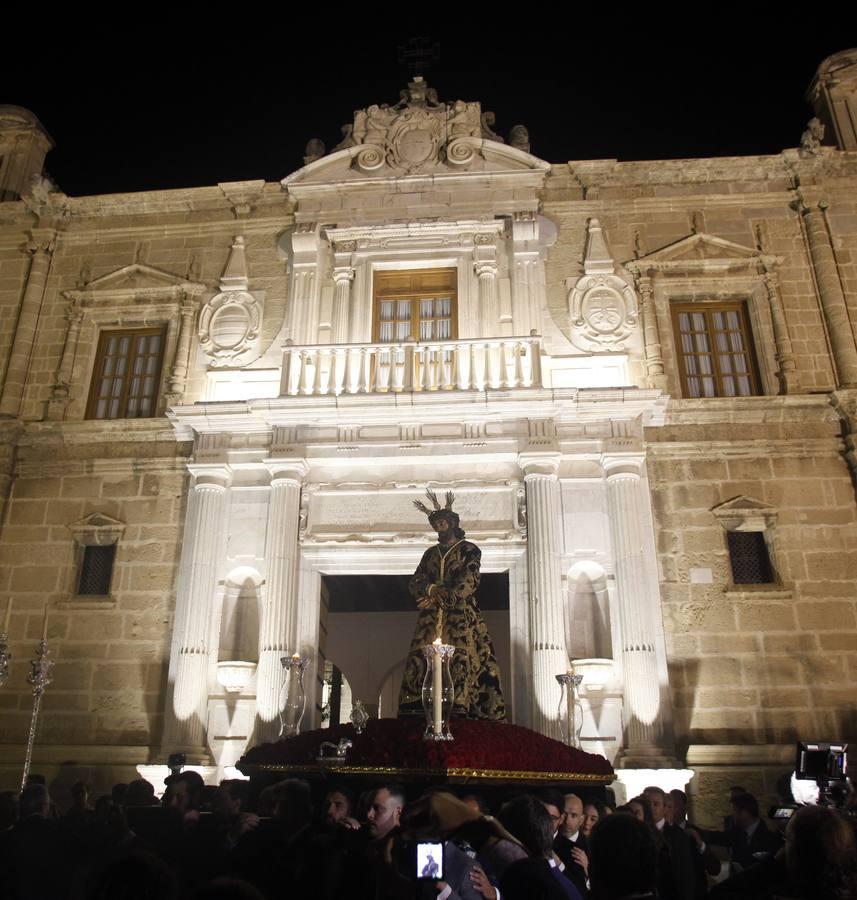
point(437, 688)
point(45, 624)
point(8, 616)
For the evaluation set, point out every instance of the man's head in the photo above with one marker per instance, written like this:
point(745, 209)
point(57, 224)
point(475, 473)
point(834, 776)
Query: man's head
point(573, 810)
point(527, 819)
point(291, 804)
point(745, 810)
point(552, 802)
point(386, 810)
point(34, 801)
point(678, 801)
point(232, 794)
point(80, 794)
point(184, 792)
point(656, 798)
point(446, 523)
point(623, 858)
point(337, 805)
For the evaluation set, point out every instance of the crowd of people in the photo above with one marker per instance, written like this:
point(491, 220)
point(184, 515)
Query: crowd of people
point(237, 841)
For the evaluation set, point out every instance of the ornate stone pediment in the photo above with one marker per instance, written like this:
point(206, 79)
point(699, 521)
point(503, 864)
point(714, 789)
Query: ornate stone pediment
point(136, 280)
point(745, 513)
point(417, 136)
point(703, 252)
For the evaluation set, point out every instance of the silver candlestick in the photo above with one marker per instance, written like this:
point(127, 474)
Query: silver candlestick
point(39, 677)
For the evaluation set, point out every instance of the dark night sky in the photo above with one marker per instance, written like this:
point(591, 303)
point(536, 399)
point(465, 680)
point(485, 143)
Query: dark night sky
point(156, 111)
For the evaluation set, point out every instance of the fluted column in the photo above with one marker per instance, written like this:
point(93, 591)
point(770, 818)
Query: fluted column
point(342, 278)
point(830, 292)
point(486, 272)
point(277, 631)
point(639, 612)
point(205, 532)
point(655, 374)
point(544, 567)
point(41, 246)
point(786, 369)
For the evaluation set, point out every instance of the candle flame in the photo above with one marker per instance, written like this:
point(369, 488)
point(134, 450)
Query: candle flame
point(437, 642)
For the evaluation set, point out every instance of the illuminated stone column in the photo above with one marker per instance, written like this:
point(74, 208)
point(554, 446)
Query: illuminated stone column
point(178, 374)
point(786, 369)
point(830, 292)
point(544, 567)
point(646, 740)
point(205, 534)
point(342, 278)
point(526, 258)
point(62, 379)
point(655, 374)
point(277, 631)
point(41, 246)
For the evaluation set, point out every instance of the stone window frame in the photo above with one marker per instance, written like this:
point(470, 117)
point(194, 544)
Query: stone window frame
point(746, 328)
point(369, 249)
point(730, 290)
point(748, 514)
point(137, 296)
point(381, 293)
point(703, 268)
point(132, 334)
point(96, 529)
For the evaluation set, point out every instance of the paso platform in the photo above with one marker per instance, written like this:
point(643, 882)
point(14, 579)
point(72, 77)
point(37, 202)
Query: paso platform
point(482, 751)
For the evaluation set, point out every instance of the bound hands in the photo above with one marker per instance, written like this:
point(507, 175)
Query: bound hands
point(437, 597)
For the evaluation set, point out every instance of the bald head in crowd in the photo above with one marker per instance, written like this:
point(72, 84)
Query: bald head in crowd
point(573, 820)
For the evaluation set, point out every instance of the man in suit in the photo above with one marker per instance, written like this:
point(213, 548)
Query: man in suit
point(570, 844)
point(749, 840)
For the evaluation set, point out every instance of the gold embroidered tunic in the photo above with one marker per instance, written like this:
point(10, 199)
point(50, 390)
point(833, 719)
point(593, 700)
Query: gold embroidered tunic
point(449, 575)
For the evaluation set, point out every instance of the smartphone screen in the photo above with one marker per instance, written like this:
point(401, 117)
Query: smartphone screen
point(430, 860)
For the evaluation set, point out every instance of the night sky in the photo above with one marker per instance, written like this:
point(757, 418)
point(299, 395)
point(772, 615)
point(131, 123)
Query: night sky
point(156, 112)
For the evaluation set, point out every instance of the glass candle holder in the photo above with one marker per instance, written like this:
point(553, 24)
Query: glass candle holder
point(569, 714)
point(438, 691)
point(292, 695)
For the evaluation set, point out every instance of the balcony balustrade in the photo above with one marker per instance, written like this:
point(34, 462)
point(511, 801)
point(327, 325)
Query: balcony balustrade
point(465, 365)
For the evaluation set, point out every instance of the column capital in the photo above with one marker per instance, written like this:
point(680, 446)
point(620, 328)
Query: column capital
point(616, 464)
point(295, 469)
point(210, 475)
point(343, 274)
point(485, 267)
point(536, 462)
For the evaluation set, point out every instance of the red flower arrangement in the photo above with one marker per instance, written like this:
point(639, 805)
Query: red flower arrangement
point(479, 745)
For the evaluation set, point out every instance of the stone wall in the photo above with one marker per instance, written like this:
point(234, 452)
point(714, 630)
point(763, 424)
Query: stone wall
point(111, 653)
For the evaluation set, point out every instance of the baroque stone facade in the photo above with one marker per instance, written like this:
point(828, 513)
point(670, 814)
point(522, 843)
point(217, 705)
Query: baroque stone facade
point(639, 378)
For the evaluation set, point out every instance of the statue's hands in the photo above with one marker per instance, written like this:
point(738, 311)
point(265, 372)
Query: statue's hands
point(425, 603)
point(441, 597)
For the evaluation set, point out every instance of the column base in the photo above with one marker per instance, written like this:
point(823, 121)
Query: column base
point(632, 782)
point(645, 757)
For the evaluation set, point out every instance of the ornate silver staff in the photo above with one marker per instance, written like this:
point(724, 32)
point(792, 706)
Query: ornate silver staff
point(39, 678)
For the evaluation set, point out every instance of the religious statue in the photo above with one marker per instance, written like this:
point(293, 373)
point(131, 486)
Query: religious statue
point(444, 587)
point(812, 137)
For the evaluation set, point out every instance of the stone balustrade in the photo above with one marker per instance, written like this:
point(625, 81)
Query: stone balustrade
point(473, 364)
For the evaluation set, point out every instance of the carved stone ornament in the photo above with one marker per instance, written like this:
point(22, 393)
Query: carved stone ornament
point(602, 305)
point(230, 322)
point(415, 134)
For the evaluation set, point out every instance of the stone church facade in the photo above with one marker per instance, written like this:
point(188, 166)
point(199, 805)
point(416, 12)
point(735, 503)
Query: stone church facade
point(639, 379)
